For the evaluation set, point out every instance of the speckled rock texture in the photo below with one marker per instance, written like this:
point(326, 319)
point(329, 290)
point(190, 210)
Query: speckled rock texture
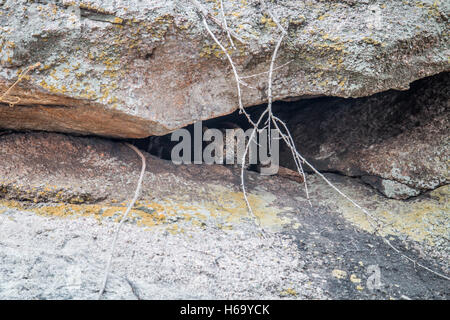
point(190, 235)
point(139, 68)
point(397, 141)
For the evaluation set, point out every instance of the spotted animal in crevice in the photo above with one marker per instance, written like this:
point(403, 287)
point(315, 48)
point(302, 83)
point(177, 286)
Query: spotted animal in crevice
point(230, 150)
point(233, 145)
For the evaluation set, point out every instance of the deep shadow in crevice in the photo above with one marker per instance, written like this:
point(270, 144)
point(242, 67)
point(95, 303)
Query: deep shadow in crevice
point(407, 106)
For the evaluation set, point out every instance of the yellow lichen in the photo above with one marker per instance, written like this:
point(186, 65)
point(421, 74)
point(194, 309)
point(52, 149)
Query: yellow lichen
point(117, 20)
point(355, 279)
point(229, 206)
point(339, 274)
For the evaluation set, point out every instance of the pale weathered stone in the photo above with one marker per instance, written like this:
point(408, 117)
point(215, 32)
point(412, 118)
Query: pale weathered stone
point(138, 68)
point(190, 235)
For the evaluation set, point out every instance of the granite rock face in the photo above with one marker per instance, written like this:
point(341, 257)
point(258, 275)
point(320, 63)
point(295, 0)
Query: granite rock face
point(139, 68)
point(396, 141)
point(190, 235)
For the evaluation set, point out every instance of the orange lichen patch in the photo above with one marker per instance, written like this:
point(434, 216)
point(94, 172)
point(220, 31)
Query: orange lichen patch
point(88, 6)
point(228, 207)
point(174, 229)
point(149, 217)
point(232, 204)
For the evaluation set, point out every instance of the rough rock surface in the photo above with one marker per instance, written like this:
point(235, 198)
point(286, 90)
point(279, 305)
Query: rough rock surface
point(140, 68)
point(397, 141)
point(190, 236)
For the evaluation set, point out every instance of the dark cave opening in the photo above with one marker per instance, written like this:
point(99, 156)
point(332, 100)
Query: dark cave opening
point(366, 137)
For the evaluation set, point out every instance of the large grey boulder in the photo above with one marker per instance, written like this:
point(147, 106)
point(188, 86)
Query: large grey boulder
point(139, 68)
point(190, 235)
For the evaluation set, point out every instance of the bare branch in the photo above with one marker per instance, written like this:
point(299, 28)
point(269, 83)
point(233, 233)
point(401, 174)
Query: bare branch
point(119, 226)
point(286, 136)
point(252, 136)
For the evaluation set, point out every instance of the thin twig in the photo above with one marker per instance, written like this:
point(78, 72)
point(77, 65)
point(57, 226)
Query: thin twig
point(374, 222)
point(370, 219)
point(205, 13)
point(119, 226)
point(20, 77)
